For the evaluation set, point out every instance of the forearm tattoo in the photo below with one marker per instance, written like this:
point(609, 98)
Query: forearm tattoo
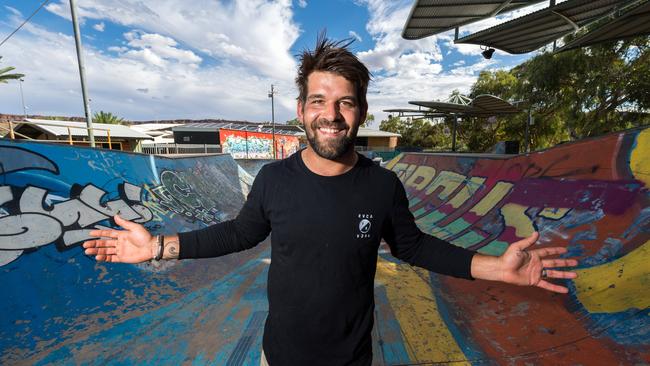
point(171, 248)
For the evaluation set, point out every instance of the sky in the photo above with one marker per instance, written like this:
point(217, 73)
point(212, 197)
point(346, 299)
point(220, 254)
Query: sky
point(217, 59)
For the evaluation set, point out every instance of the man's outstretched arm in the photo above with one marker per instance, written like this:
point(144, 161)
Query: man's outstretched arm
point(522, 266)
point(518, 265)
point(134, 244)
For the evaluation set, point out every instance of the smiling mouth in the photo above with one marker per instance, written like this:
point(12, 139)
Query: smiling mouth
point(330, 131)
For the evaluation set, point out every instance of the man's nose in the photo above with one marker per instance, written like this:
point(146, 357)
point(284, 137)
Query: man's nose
point(332, 112)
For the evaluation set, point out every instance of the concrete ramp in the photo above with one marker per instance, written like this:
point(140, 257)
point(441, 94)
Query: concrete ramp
point(590, 196)
point(60, 307)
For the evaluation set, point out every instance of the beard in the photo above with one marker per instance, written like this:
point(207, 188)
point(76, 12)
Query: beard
point(332, 148)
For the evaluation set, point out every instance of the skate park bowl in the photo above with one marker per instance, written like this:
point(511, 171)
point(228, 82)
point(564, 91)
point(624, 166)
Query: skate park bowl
point(62, 307)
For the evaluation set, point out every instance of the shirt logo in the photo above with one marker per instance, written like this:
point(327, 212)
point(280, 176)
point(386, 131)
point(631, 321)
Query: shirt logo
point(365, 223)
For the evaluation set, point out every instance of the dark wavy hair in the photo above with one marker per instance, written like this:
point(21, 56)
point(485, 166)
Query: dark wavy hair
point(333, 56)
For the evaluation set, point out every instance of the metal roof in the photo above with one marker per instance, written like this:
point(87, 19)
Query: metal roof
point(482, 106)
point(429, 17)
point(530, 32)
point(250, 127)
point(370, 132)
point(60, 128)
point(630, 22)
point(410, 112)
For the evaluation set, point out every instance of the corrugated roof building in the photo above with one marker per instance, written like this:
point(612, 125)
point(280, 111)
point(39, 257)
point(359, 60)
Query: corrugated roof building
point(121, 137)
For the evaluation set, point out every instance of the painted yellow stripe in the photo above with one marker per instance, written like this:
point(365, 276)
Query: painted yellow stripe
point(500, 190)
point(425, 334)
point(470, 188)
point(515, 217)
point(618, 285)
point(639, 162)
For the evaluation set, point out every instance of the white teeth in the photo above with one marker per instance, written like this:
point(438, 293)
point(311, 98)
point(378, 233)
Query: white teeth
point(329, 130)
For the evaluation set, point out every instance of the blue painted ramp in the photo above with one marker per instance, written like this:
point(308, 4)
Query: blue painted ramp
point(61, 307)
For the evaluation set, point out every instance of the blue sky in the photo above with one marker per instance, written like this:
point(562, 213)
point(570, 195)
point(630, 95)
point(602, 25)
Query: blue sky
point(171, 59)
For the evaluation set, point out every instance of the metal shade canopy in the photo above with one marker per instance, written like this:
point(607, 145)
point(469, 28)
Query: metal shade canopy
point(631, 22)
point(429, 17)
point(533, 31)
point(482, 106)
point(409, 112)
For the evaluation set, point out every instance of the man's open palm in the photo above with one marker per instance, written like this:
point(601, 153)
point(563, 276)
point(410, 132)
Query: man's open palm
point(529, 268)
point(131, 245)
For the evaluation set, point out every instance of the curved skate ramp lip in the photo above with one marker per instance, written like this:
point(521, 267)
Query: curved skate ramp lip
point(64, 308)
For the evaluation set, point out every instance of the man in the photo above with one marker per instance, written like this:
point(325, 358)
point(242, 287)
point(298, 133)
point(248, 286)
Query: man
point(327, 209)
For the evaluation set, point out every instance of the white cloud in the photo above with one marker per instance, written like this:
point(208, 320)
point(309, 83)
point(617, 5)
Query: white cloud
point(237, 32)
point(146, 77)
point(354, 35)
point(99, 26)
point(302, 3)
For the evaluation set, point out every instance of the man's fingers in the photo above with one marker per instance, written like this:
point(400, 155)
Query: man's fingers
point(526, 242)
point(105, 233)
point(101, 251)
point(552, 287)
point(550, 273)
point(125, 223)
point(559, 262)
point(545, 252)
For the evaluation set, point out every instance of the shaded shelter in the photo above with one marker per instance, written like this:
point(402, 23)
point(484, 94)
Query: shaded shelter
point(459, 106)
point(632, 21)
point(429, 17)
point(533, 31)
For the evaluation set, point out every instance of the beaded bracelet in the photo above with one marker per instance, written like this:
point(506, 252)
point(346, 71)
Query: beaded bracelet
point(161, 245)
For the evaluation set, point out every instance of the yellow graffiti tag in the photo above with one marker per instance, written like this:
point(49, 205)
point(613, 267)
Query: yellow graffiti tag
point(515, 216)
point(394, 161)
point(639, 163)
point(618, 285)
point(425, 173)
point(554, 213)
point(470, 189)
point(448, 180)
point(426, 336)
point(500, 190)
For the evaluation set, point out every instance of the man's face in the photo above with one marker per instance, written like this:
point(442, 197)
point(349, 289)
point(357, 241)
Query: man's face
point(331, 114)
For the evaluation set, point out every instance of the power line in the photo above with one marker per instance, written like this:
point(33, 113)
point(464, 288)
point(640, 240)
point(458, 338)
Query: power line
point(24, 22)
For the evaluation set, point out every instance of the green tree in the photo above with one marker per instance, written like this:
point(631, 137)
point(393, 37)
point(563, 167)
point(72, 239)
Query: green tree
point(293, 122)
point(5, 76)
point(107, 117)
point(418, 132)
point(573, 94)
point(370, 118)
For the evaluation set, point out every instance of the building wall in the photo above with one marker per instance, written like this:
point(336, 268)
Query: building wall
point(382, 142)
point(256, 145)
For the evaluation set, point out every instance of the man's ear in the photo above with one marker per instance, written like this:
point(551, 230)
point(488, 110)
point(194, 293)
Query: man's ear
point(363, 113)
point(299, 111)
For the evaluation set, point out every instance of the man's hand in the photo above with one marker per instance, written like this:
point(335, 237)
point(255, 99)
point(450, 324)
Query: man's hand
point(520, 266)
point(134, 244)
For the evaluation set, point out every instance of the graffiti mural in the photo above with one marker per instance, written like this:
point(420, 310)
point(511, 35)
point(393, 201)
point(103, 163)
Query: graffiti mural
point(592, 197)
point(256, 145)
point(57, 301)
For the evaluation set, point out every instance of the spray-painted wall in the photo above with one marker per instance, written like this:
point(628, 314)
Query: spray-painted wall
point(256, 145)
point(62, 307)
point(592, 197)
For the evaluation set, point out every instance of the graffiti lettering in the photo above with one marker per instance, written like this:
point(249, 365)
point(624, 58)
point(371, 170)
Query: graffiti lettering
point(35, 219)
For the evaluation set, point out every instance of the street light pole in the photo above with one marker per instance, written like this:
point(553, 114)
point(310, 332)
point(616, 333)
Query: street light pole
point(22, 97)
point(82, 74)
point(271, 95)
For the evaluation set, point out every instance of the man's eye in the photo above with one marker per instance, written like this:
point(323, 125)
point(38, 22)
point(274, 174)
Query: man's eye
point(317, 101)
point(347, 103)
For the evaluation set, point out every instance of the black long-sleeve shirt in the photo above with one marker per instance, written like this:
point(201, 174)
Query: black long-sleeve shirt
point(325, 233)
